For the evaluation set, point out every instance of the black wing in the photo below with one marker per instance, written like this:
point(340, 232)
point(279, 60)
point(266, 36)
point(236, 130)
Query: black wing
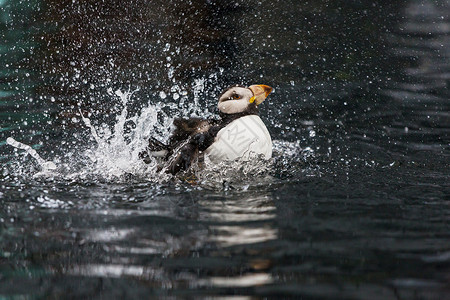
point(188, 151)
point(184, 128)
point(190, 136)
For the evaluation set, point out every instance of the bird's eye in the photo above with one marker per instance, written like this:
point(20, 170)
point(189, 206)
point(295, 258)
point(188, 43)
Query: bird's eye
point(236, 97)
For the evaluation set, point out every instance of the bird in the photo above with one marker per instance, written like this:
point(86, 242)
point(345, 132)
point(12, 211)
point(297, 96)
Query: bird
point(239, 133)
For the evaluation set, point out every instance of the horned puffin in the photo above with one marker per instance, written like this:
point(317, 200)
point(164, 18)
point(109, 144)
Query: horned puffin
point(238, 134)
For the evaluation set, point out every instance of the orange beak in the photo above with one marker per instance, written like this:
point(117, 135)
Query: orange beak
point(260, 93)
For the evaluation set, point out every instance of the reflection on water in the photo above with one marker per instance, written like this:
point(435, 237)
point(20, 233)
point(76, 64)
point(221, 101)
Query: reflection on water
point(224, 227)
point(238, 211)
point(209, 241)
point(111, 270)
point(231, 236)
point(241, 281)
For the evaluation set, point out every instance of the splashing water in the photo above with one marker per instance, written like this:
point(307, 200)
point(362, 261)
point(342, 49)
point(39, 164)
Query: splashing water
point(117, 152)
point(114, 156)
point(45, 165)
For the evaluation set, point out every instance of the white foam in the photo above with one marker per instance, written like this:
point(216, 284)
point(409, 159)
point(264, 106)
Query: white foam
point(45, 165)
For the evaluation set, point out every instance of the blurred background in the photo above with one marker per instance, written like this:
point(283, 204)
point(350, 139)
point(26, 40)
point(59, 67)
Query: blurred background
point(363, 84)
point(60, 56)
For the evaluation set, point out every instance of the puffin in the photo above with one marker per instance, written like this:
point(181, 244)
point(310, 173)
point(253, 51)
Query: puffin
point(239, 133)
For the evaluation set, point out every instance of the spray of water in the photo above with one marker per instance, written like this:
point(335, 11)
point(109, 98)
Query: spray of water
point(113, 154)
point(45, 165)
point(116, 152)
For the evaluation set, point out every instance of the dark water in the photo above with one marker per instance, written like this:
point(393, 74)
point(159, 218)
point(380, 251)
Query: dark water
point(355, 206)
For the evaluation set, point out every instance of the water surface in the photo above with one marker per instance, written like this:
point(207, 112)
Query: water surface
point(354, 205)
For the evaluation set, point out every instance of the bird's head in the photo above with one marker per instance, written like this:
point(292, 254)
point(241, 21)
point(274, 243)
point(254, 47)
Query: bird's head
point(237, 99)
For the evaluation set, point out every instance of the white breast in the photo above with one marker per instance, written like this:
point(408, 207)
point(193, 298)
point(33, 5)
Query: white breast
point(243, 138)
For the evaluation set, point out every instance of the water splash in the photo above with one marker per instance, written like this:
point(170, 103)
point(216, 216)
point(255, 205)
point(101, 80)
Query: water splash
point(291, 160)
point(45, 165)
point(113, 150)
point(239, 174)
point(116, 152)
